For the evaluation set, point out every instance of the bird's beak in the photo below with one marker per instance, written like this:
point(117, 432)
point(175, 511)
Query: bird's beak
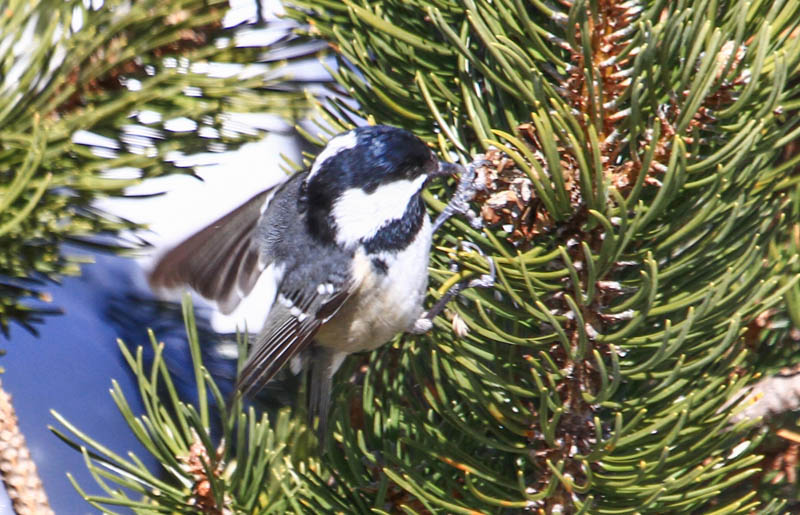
point(447, 169)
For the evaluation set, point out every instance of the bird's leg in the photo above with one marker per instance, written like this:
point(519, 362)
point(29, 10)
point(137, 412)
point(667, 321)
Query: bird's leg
point(425, 322)
point(465, 192)
point(459, 204)
point(324, 364)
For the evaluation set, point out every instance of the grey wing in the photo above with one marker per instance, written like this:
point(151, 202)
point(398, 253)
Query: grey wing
point(221, 261)
point(293, 321)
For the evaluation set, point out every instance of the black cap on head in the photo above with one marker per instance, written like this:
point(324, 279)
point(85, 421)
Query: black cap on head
point(371, 156)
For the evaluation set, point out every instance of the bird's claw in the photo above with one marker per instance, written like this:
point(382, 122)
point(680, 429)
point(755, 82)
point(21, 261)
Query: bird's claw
point(425, 322)
point(465, 192)
point(485, 280)
point(422, 325)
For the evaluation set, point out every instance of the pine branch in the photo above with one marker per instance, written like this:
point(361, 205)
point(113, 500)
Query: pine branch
point(634, 204)
point(215, 457)
point(102, 99)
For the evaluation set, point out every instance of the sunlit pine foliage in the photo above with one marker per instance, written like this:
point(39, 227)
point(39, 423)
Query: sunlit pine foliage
point(95, 97)
point(638, 206)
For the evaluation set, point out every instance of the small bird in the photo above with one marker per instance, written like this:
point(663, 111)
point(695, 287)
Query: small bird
point(347, 243)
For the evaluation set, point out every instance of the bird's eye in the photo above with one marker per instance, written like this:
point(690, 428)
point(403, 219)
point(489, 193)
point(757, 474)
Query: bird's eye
point(431, 164)
point(425, 167)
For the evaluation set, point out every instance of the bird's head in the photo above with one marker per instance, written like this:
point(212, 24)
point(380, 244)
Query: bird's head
point(366, 178)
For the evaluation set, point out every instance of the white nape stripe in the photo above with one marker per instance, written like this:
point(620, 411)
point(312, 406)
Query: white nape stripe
point(334, 146)
point(267, 200)
point(360, 215)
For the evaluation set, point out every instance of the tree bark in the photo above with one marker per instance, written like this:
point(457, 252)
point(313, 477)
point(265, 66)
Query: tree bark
point(17, 468)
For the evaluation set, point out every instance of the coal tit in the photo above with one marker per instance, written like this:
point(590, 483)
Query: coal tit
point(347, 243)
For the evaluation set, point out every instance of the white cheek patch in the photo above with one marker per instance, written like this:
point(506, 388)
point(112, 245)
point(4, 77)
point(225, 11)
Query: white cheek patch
point(334, 146)
point(359, 215)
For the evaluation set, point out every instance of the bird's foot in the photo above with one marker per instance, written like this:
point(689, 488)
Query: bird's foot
point(468, 186)
point(425, 322)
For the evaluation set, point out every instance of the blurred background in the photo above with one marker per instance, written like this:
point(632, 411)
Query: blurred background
point(67, 362)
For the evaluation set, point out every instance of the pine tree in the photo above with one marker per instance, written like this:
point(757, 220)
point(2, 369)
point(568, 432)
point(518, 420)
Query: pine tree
point(641, 208)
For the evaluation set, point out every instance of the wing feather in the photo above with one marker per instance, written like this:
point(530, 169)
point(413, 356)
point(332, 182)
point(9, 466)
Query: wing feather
point(291, 326)
point(220, 261)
